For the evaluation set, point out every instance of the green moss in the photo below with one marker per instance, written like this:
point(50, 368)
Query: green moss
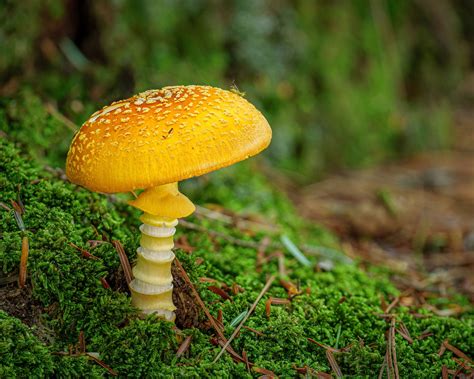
point(21, 353)
point(340, 308)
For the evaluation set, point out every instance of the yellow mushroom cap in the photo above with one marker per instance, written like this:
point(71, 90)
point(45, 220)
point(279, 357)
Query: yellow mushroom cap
point(164, 136)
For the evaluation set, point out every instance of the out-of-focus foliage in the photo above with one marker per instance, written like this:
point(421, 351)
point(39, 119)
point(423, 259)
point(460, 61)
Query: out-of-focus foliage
point(342, 83)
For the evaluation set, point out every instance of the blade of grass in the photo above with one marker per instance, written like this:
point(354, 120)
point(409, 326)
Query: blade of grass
point(239, 318)
point(293, 249)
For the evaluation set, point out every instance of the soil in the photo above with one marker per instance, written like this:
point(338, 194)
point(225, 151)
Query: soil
point(414, 216)
point(187, 310)
point(20, 303)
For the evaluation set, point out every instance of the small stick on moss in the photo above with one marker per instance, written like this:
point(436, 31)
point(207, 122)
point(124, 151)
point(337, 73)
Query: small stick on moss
point(105, 284)
point(390, 360)
point(332, 361)
point(102, 364)
point(252, 308)
point(456, 351)
point(461, 364)
point(425, 334)
point(392, 304)
point(382, 368)
point(343, 350)
point(4, 206)
point(262, 248)
point(244, 355)
point(442, 349)
point(127, 269)
point(184, 346)
point(81, 342)
point(19, 200)
point(23, 261)
point(220, 292)
point(264, 371)
point(51, 109)
point(206, 311)
point(220, 316)
point(84, 252)
point(394, 350)
point(274, 301)
point(444, 372)
point(406, 336)
point(403, 331)
point(257, 332)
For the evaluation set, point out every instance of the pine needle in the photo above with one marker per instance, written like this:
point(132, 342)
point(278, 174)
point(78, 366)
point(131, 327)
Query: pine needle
point(252, 308)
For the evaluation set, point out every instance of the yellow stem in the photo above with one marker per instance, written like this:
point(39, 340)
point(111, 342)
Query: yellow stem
point(152, 287)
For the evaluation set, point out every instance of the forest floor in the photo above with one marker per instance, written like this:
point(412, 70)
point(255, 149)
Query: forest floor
point(321, 313)
point(414, 216)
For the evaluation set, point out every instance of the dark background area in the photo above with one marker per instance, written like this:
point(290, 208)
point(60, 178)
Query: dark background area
point(343, 83)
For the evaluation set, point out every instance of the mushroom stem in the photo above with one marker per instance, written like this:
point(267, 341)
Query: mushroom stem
point(152, 287)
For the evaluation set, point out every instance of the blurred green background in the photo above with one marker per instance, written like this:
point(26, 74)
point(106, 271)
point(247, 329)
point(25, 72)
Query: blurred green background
point(343, 83)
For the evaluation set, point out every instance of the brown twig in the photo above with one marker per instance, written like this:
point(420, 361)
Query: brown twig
point(275, 301)
point(257, 332)
point(444, 372)
point(104, 283)
point(456, 351)
point(4, 206)
point(220, 292)
point(252, 308)
point(84, 252)
point(23, 261)
point(390, 360)
point(51, 109)
point(246, 358)
point(394, 350)
point(206, 311)
point(184, 346)
point(333, 363)
point(264, 372)
point(392, 304)
point(102, 364)
point(19, 200)
point(332, 349)
point(82, 342)
point(382, 368)
point(127, 269)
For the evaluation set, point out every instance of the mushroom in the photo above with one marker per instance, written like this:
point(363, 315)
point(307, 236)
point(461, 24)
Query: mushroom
point(151, 141)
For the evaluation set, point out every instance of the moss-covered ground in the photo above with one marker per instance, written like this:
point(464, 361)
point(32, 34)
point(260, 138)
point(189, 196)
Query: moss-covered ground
point(66, 295)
